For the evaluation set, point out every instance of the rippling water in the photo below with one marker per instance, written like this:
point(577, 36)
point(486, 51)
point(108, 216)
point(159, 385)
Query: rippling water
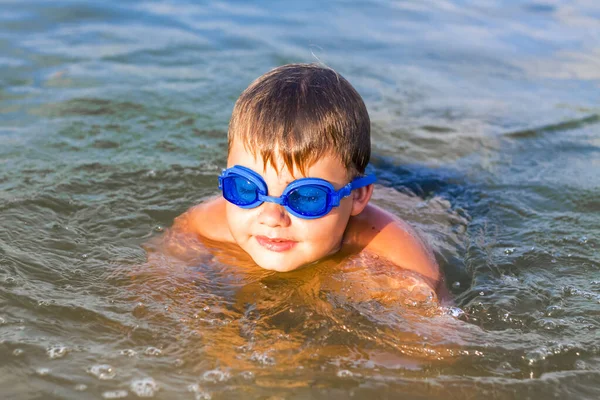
point(486, 136)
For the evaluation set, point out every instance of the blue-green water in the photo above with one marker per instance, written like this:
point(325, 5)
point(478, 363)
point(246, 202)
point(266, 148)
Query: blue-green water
point(486, 136)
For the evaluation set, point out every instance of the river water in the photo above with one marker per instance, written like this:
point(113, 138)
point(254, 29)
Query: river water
point(486, 137)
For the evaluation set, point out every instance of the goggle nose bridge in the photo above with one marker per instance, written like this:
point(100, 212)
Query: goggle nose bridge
point(282, 201)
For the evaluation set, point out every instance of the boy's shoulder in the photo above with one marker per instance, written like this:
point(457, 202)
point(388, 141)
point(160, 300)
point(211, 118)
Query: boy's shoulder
point(379, 232)
point(206, 219)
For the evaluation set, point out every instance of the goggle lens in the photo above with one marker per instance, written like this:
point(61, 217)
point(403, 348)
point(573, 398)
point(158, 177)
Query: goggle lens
point(308, 200)
point(239, 190)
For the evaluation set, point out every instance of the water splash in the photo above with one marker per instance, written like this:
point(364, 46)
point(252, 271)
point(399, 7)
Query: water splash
point(102, 371)
point(145, 387)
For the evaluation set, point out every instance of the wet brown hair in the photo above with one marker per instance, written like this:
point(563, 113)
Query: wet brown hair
point(302, 112)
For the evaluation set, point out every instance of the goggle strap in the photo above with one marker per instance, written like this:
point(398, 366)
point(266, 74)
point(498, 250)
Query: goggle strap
point(363, 181)
point(355, 184)
point(336, 197)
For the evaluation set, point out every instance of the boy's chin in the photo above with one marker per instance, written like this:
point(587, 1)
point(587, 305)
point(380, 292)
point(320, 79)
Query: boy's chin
point(278, 266)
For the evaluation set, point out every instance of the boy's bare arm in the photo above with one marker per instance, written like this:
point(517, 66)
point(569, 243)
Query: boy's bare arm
point(206, 219)
point(384, 234)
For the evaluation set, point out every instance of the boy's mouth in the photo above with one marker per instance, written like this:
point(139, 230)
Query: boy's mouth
point(274, 244)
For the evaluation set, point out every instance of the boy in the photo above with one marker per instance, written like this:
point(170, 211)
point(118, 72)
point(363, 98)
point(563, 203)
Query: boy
point(294, 191)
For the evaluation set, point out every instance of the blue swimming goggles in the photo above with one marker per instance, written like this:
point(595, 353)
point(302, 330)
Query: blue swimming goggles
point(307, 198)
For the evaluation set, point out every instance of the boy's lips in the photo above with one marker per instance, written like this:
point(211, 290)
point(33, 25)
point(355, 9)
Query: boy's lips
point(275, 244)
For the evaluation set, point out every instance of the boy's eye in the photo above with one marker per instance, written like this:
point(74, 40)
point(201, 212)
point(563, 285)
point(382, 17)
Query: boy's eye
point(308, 193)
point(239, 190)
point(244, 185)
point(309, 199)
point(246, 189)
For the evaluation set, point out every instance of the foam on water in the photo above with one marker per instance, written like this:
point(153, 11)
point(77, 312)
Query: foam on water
point(115, 394)
point(102, 371)
point(145, 387)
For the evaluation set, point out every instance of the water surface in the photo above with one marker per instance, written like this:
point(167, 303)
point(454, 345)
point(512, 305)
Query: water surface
point(486, 137)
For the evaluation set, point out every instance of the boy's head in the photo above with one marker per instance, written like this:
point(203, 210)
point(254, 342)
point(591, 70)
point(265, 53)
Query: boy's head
point(299, 120)
point(301, 112)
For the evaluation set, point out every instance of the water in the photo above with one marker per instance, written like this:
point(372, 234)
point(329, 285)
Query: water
point(486, 136)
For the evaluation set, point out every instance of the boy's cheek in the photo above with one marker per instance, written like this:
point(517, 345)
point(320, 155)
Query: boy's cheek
point(235, 214)
point(330, 226)
point(237, 221)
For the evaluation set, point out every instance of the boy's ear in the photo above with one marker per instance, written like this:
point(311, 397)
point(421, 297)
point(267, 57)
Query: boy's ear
point(360, 199)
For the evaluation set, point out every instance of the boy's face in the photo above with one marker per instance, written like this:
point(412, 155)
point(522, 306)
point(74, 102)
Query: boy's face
point(275, 239)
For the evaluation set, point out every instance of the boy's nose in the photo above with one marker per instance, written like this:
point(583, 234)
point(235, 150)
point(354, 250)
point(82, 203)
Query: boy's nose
point(273, 215)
